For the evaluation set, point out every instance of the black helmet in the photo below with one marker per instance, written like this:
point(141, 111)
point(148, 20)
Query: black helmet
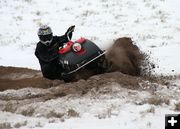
point(45, 35)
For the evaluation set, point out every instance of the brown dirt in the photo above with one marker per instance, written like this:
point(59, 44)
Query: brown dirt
point(15, 78)
point(125, 57)
point(80, 87)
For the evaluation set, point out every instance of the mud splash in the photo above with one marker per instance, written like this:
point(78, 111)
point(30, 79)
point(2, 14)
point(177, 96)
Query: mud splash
point(127, 58)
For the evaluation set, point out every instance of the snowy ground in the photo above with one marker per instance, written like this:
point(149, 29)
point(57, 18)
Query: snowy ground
point(111, 100)
point(110, 105)
point(153, 24)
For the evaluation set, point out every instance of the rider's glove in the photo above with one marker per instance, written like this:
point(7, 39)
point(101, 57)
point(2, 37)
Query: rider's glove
point(71, 28)
point(69, 31)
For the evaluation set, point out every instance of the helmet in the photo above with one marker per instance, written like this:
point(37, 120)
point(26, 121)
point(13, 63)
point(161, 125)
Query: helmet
point(45, 35)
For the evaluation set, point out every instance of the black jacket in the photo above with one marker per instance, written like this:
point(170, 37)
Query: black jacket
point(48, 57)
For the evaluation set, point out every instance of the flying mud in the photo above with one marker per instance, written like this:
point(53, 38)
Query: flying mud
point(125, 57)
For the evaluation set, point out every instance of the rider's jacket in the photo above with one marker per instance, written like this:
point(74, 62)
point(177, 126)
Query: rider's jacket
point(48, 57)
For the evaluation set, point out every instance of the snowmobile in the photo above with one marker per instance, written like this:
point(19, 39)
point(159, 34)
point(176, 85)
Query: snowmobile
point(81, 54)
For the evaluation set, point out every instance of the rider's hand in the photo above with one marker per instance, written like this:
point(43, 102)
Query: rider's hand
point(69, 32)
point(71, 29)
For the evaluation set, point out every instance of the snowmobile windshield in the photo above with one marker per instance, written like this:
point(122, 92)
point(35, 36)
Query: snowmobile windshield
point(45, 38)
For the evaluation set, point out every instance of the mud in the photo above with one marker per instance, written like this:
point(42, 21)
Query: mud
point(127, 58)
point(26, 101)
point(124, 56)
point(16, 78)
point(9, 81)
point(93, 84)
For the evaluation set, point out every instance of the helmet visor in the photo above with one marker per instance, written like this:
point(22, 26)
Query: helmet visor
point(45, 37)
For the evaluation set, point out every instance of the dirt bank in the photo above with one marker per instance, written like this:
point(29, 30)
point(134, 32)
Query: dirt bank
point(15, 78)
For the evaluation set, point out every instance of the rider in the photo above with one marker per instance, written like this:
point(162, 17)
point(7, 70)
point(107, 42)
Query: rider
point(47, 51)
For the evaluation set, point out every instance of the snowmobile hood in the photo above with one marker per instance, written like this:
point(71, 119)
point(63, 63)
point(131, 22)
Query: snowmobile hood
point(67, 47)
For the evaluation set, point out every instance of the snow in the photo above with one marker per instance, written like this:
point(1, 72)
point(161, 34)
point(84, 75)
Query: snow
point(152, 24)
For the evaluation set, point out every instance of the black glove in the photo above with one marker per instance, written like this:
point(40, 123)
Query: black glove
point(71, 28)
point(69, 32)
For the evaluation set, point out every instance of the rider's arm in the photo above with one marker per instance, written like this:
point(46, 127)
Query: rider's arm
point(63, 39)
point(67, 36)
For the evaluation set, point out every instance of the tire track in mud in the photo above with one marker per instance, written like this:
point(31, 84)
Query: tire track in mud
point(12, 100)
point(26, 101)
point(16, 78)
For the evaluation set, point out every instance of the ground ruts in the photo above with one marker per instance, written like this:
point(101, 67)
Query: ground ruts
point(16, 78)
